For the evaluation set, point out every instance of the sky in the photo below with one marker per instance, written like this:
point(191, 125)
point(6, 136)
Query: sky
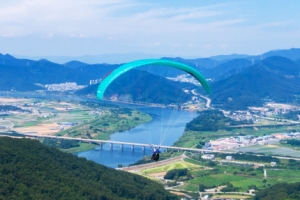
point(185, 28)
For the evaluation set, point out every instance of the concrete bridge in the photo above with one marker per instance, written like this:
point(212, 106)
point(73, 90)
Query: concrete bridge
point(132, 144)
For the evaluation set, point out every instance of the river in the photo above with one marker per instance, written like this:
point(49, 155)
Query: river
point(165, 129)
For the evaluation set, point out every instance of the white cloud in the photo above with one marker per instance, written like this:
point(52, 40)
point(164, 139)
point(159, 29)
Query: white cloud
point(129, 25)
point(93, 18)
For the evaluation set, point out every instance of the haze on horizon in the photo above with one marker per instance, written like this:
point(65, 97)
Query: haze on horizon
point(169, 28)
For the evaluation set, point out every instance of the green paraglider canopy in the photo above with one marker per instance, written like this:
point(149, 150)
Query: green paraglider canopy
point(126, 67)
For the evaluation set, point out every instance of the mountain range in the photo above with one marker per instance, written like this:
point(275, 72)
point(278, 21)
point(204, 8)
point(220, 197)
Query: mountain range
point(237, 81)
point(275, 78)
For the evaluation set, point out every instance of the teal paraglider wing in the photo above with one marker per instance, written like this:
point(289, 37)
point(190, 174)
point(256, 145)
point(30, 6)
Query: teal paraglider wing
point(128, 66)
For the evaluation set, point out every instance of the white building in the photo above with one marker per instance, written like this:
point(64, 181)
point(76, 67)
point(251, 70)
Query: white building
point(208, 156)
point(229, 158)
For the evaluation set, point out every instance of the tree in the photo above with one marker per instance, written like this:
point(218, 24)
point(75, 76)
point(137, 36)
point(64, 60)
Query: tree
point(202, 188)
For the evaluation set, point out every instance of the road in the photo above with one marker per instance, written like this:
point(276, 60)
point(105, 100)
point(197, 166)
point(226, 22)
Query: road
point(208, 101)
point(275, 119)
point(242, 193)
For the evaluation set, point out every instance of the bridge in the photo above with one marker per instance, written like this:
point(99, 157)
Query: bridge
point(132, 144)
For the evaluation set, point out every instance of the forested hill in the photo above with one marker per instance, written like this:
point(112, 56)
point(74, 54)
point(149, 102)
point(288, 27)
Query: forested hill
point(138, 85)
point(30, 170)
point(280, 191)
point(23, 74)
point(276, 78)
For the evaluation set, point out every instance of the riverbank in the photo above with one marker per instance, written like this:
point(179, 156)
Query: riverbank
point(104, 127)
point(74, 118)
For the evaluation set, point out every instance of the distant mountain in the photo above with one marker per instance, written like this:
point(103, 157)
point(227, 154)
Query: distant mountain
point(75, 64)
point(201, 64)
point(138, 85)
point(114, 58)
point(30, 170)
point(292, 54)
point(95, 71)
point(9, 60)
point(223, 58)
point(275, 77)
point(23, 74)
point(197, 63)
point(227, 69)
point(233, 76)
point(14, 78)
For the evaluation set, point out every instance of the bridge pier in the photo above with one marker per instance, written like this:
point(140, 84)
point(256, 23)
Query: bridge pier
point(121, 146)
point(100, 144)
point(132, 147)
point(111, 146)
point(143, 148)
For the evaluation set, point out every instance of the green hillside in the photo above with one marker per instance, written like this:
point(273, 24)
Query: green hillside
point(276, 78)
point(145, 87)
point(23, 74)
point(281, 191)
point(30, 170)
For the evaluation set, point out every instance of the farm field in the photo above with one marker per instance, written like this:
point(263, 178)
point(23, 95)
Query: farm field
point(71, 119)
point(271, 149)
point(241, 177)
point(217, 176)
point(191, 138)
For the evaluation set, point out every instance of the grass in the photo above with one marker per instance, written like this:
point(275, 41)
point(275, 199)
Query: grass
point(168, 167)
point(271, 150)
point(220, 175)
point(103, 126)
point(215, 179)
point(190, 138)
point(90, 124)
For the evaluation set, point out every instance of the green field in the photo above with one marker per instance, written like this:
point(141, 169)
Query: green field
point(101, 127)
point(274, 149)
point(191, 138)
point(168, 167)
point(239, 177)
point(93, 120)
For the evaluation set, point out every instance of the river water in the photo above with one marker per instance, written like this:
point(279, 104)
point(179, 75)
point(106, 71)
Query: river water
point(166, 127)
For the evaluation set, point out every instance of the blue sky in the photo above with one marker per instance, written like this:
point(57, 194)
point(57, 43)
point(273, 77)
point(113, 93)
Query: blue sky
point(186, 28)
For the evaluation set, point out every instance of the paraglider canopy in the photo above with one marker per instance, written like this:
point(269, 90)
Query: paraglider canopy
point(126, 67)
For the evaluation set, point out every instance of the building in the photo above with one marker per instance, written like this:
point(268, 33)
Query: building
point(273, 164)
point(229, 158)
point(67, 123)
point(208, 156)
point(280, 136)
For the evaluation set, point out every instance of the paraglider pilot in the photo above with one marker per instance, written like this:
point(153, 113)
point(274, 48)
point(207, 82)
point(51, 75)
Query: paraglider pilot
point(155, 154)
